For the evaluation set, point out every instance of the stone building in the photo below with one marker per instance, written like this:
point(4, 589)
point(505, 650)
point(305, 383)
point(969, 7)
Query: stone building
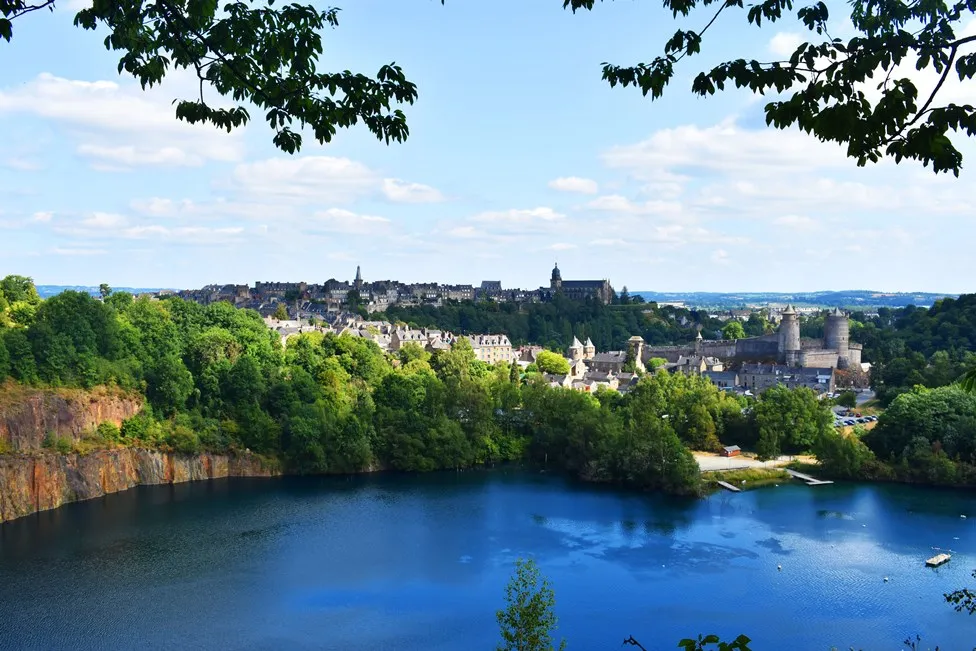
point(579, 290)
point(492, 348)
point(759, 377)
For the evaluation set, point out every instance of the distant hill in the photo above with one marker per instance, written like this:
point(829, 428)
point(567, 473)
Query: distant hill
point(46, 291)
point(855, 298)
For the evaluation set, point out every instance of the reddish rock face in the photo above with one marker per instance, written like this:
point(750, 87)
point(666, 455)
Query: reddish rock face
point(26, 421)
point(30, 483)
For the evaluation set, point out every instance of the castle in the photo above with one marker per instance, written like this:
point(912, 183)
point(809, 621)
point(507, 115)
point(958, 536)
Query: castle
point(784, 347)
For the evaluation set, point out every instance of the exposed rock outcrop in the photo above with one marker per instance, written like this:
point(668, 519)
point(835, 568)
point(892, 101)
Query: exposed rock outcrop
point(27, 415)
point(30, 483)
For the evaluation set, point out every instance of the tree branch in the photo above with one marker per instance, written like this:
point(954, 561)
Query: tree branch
point(935, 91)
point(203, 39)
point(631, 641)
point(28, 9)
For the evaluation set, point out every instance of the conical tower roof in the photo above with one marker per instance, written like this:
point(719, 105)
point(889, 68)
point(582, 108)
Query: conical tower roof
point(789, 310)
point(589, 343)
point(576, 343)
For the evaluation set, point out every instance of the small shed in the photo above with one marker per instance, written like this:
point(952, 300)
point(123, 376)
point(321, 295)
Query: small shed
point(731, 451)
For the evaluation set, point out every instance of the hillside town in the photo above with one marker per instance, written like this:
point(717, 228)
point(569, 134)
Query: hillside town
point(309, 299)
point(746, 366)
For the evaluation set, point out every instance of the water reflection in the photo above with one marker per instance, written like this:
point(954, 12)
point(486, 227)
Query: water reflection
point(421, 562)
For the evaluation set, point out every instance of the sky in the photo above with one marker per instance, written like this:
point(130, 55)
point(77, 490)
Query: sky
point(519, 156)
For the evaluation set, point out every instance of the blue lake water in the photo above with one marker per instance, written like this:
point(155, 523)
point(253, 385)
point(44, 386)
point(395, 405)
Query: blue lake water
point(420, 562)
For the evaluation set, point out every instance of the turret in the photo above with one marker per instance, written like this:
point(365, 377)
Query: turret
point(589, 350)
point(789, 337)
point(837, 331)
point(576, 350)
point(636, 346)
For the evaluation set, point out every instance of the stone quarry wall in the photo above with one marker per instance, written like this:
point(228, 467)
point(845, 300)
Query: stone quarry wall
point(33, 479)
point(38, 482)
point(27, 415)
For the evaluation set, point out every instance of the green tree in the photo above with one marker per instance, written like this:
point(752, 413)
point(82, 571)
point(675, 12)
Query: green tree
point(529, 619)
point(280, 313)
point(104, 291)
point(733, 330)
point(19, 288)
point(828, 77)
point(260, 54)
point(550, 362)
point(847, 399)
point(789, 420)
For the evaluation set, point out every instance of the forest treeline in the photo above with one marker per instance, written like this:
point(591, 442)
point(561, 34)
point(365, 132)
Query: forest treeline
point(216, 378)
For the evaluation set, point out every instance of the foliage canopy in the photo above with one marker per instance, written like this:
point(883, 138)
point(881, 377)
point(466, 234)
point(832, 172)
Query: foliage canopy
point(830, 79)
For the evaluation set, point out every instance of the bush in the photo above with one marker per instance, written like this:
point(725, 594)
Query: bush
point(108, 432)
point(58, 444)
point(183, 439)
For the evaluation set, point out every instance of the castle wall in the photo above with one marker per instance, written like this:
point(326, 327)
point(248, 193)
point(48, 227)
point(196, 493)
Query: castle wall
point(723, 349)
point(757, 347)
point(818, 358)
point(670, 353)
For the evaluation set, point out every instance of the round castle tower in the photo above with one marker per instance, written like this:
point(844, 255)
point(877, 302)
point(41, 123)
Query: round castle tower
point(789, 337)
point(837, 336)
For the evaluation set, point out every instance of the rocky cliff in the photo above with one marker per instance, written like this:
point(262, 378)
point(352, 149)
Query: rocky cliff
point(30, 483)
point(27, 415)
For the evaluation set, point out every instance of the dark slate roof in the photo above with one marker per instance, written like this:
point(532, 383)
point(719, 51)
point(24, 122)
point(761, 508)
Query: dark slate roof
point(612, 356)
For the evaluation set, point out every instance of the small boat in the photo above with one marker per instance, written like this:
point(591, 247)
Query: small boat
point(938, 560)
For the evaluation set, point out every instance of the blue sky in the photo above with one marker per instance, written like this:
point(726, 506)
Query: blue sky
point(519, 156)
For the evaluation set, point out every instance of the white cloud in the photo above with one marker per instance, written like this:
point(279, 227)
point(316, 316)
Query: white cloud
point(22, 164)
point(400, 191)
point(516, 216)
point(121, 123)
point(323, 180)
point(561, 246)
point(307, 179)
point(42, 217)
point(797, 223)
point(604, 241)
point(77, 251)
point(621, 204)
point(784, 44)
point(337, 220)
point(574, 184)
point(720, 256)
point(466, 232)
point(104, 220)
point(724, 148)
point(129, 155)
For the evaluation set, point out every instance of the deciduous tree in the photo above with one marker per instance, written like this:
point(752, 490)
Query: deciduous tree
point(529, 619)
point(824, 87)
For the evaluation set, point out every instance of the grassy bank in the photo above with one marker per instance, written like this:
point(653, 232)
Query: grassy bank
point(748, 478)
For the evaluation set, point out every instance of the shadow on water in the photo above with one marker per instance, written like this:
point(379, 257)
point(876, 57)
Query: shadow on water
point(288, 562)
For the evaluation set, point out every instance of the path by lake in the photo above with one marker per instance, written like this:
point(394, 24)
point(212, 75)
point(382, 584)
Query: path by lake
point(420, 562)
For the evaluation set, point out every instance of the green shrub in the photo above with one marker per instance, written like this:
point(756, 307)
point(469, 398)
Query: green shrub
point(5, 447)
point(108, 432)
point(183, 439)
point(58, 444)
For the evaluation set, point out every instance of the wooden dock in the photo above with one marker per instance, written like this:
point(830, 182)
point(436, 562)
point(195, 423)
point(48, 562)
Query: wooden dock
point(727, 486)
point(938, 560)
point(811, 481)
